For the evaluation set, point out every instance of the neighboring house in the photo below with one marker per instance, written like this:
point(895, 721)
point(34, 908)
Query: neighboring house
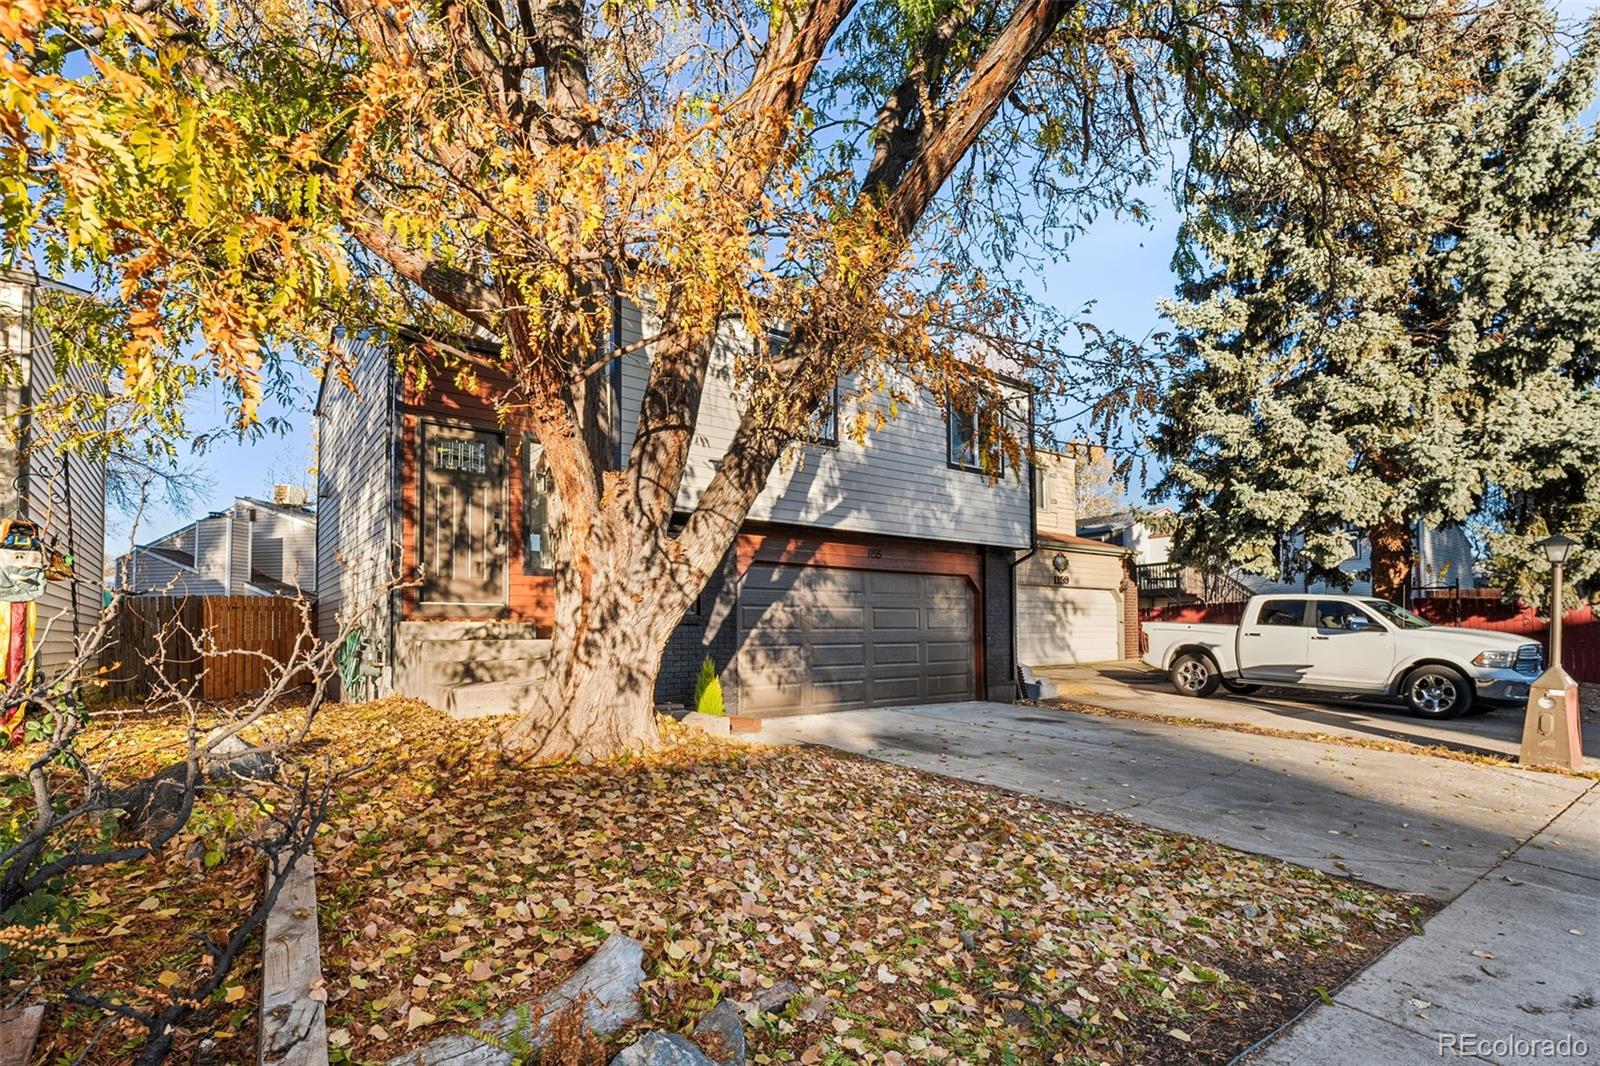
point(1134, 530)
point(867, 575)
point(254, 548)
point(1444, 560)
point(1076, 600)
point(63, 494)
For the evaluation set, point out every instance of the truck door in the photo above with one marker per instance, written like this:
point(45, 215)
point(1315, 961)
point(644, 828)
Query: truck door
point(1348, 647)
point(1273, 644)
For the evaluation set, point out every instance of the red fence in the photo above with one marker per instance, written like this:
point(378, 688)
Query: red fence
point(1477, 609)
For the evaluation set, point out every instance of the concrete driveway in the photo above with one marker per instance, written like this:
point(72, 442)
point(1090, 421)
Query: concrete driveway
point(1135, 687)
point(1515, 853)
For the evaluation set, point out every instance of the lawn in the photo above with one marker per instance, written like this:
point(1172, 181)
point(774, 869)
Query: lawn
point(924, 919)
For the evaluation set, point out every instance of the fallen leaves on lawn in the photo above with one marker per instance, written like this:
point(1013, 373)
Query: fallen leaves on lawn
point(923, 919)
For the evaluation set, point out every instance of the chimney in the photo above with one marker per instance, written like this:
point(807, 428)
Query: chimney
point(289, 495)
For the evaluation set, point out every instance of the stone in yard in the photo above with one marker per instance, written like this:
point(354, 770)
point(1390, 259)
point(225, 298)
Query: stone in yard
point(662, 1049)
point(715, 724)
point(232, 758)
point(606, 989)
point(721, 1034)
point(773, 1000)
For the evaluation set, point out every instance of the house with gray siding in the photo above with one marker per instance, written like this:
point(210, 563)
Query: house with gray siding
point(869, 573)
point(62, 491)
point(253, 548)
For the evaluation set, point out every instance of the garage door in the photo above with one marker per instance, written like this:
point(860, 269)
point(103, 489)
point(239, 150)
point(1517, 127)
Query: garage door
point(813, 638)
point(1066, 625)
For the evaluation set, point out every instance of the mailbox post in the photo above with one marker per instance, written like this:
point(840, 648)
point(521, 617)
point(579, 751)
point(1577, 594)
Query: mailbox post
point(1552, 732)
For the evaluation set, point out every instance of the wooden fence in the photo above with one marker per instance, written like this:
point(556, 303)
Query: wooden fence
point(245, 636)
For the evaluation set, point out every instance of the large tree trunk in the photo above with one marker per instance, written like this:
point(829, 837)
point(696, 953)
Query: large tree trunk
point(618, 597)
point(1391, 559)
point(622, 581)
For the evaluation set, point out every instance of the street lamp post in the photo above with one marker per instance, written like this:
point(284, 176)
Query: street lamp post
point(1552, 734)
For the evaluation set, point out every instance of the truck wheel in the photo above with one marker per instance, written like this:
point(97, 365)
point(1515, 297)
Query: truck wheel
point(1437, 692)
point(1193, 674)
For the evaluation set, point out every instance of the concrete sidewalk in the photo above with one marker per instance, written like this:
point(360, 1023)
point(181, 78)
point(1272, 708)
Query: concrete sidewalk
point(1516, 853)
point(1512, 959)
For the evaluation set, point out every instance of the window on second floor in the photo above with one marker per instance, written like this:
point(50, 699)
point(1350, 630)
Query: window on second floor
point(972, 437)
point(1042, 498)
point(825, 425)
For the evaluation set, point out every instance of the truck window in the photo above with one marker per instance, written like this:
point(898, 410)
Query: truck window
point(1282, 613)
point(1338, 615)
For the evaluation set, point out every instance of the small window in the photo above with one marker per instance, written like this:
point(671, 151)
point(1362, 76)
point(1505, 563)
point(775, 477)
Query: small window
point(1041, 488)
point(1282, 613)
point(825, 427)
point(972, 436)
point(536, 555)
point(466, 456)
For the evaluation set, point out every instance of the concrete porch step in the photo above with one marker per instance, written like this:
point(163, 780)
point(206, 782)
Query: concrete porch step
point(417, 630)
point(490, 649)
point(479, 699)
point(466, 671)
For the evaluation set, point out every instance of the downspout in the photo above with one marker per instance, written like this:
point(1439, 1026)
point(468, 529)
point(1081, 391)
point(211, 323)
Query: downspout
point(396, 545)
point(1033, 542)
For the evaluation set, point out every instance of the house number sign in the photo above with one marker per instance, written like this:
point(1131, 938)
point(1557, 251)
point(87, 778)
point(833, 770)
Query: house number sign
point(471, 456)
point(1062, 575)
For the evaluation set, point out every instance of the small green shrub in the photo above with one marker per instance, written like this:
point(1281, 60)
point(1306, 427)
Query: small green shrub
point(708, 690)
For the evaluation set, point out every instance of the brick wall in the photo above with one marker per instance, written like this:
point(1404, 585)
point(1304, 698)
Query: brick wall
point(1132, 632)
point(1000, 670)
point(710, 630)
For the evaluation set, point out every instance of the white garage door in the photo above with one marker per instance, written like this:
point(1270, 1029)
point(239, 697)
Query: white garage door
point(813, 638)
point(1066, 625)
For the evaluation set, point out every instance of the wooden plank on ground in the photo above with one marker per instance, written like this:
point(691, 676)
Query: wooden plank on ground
point(19, 1028)
point(294, 1024)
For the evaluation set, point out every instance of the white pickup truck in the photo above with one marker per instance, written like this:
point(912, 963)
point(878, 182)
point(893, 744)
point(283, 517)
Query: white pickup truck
point(1347, 644)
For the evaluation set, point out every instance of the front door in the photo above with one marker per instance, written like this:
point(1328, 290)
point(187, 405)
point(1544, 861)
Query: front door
point(463, 520)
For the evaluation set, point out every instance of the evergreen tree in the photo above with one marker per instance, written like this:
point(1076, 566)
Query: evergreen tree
point(1358, 357)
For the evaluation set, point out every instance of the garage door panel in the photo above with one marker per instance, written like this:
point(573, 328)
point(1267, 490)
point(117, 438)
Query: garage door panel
point(852, 654)
point(889, 690)
point(949, 620)
point(886, 583)
point(834, 618)
point(838, 695)
point(949, 686)
point(813, 639)
point(950, 652)
point(907, 618)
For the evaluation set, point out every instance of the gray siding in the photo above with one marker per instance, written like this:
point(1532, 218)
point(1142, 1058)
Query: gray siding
point(897, 483)
point(356, 531)
point(284, 548)
point(213, 548)
point(239, 553)
point(143, 572)
point(63, 493)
